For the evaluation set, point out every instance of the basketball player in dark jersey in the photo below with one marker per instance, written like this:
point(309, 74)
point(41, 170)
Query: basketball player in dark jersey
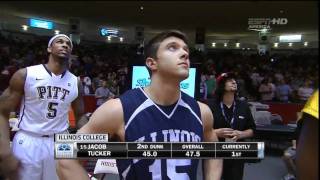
point(157, 113)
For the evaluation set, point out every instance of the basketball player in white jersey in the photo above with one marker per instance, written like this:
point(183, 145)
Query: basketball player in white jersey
point(46, 92)
point(157, 113)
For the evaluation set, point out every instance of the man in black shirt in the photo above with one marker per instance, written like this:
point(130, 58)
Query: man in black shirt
point(233, 121)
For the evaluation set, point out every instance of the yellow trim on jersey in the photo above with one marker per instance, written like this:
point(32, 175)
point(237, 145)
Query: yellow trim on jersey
point(312, 106)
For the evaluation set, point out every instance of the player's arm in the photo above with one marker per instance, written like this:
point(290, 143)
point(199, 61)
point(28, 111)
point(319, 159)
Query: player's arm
point(77, 104)
point(212, 167)
point(308, 148)
point(108, 118)
point(8, 102)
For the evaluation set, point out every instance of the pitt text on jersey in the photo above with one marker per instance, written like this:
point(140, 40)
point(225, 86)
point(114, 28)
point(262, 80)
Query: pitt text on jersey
point(52, 92)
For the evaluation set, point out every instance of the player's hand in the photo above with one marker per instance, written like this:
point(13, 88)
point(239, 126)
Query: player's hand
point(224, 132)
point(236, 135)
point(9, 167)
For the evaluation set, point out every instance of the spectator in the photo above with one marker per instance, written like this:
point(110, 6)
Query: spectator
point(266, 90)
point(283, 91)
point(97, 81)
point(211, 85)
point(233, 121)
point(279, 77)
point(203, 88)
point(256, 79)
point(103, 93)
point(305, 91)
point(94, 58)
point(87, 88)
point(242, 91)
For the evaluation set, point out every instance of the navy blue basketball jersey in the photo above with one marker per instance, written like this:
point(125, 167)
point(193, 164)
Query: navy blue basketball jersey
point(146, 121)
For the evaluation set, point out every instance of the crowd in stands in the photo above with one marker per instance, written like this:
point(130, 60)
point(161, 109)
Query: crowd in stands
point(276, 77)
point(282, 78)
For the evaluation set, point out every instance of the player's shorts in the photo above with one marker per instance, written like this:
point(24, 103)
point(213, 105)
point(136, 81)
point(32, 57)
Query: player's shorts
point(36, 154)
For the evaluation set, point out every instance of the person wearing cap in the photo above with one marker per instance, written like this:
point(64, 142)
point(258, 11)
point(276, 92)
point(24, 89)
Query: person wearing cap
point(45, 93)
point(233, 121)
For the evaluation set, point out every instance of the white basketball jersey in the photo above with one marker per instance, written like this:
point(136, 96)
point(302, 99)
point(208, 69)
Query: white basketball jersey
point(46, 101)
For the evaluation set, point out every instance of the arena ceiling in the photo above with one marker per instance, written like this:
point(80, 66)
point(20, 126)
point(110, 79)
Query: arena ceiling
point(218, 18)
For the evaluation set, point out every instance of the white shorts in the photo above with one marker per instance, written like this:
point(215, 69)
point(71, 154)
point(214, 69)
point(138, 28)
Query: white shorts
point(36, 154)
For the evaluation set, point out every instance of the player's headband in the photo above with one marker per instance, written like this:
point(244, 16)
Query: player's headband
point(59, 35)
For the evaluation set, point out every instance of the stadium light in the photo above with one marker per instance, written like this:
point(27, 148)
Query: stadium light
point(213, 44)
point(305, 44)
point(56, 32)
point(275, 45)
point(225, 44)
point(290, 44)
point(237, 45)
point(290, 38)
point(264, 30)
point(24, 27)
